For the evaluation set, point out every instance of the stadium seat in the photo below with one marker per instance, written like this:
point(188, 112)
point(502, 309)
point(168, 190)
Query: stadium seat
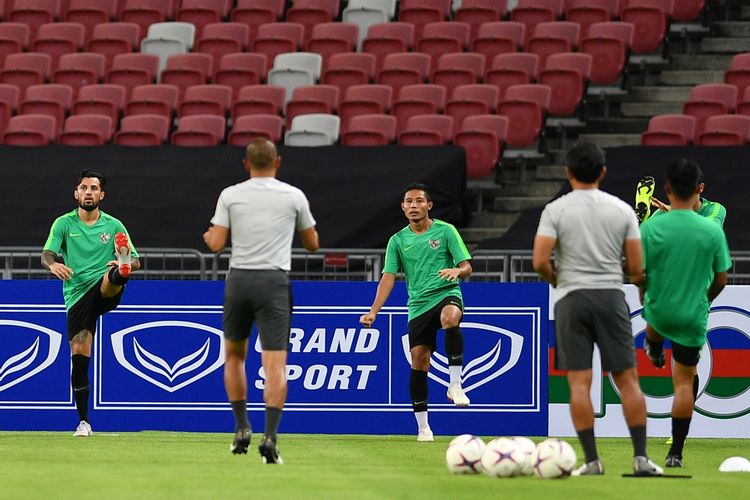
point(721, 92)
point(743, 104)
point(346, 70)
point(482, 136)
point(584, 14)
point(131, 70)
point(738, 73)
point(498, 38)
point(388, 38)
point(420, 13)
point(153, 99)
point(562, 29)
point(201, 13)
point(14, 38)
point(77, 70)
point(206, 100)
point(90, 13)
point(173, 30)
point(364, 16)
point(294, 70)
point(530, 16)
point(34, 13)
point(219, 39)
point(669, 129)
point(478, 12)
point(328, 39)
point(8, 103)
point(313, 130)
point(309, 13)
point(144, 13)
point(458, 69)
point(418, 99)
point(87, 130)
point(249, 127)
point(364, 100)
point(650, 19)
point(688, 10)
point(488, 94)
point(524, 105)
point(199, 131)
point(259, 100)
point(512, 69)
point(321, 99)
point(370, 130)
point(556, 6)
point(608, 43)
point(567, 75)
point(26, 69)
point(103, 99)
point(405, 68)
point(444, 6)
point(553, 38)
point(143, 130)
point(240, 69)
point(111, 39)
point(57, 39)
point(427, 130)
point(278, 38)
point(389, 6)
point(725, 130)
point(254, 13)
point(30, 130)
point(185, 70)
point(443, 37)
point(47, 99)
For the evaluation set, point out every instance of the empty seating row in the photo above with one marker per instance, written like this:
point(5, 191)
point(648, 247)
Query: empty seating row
point(680, 130)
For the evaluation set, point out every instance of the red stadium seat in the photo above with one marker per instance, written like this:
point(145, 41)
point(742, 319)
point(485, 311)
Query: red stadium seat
point(512, 69)
point(688, 10)
point(328, 39)
point(671, 124)
point(524, 105)
point(34, 13)
point(8, 104)
point(364, 100)
point(311, 99)
point(650, 19)
point(146, 12)
point(90, 13)
point(156, 99)
point(57, 39)
point(427, 130)
point(725, 129)
point(560, 29)
point(586, 15)
point(87, 130)
point(443, 37)
point(420, 99)
point(199, 131)
point(51, 99)
point(250, 127)
point(14, 38)
point(103, 99)
point(26, 69)
point(478, 12)
point(259, 100)
point(309, 13)
point(278, 38)
point(346, 70)
point(738, 73)
point(77, 70)
point(184, 70)
point(482, 137)
point(220, 39)
point(405, 68)
point(721, 92)
point(419, 16)
point(143, 130)
point(388, 38)
point(240, 69)
point(489, 94)
point(111, 39)
point(254, 13)
point(701, 110)
point(531, 16)
point(370, 130)
point(610, 53)
point(556, 6)
point(200, 13)
point(30, 130)
point(458, 69)
point(567, 75)
point(131, 70)
point(206, 100)
point(498, 38)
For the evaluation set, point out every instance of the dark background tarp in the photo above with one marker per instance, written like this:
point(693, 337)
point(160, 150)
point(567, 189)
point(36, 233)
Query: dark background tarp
point(166, 196)
point(726, 172)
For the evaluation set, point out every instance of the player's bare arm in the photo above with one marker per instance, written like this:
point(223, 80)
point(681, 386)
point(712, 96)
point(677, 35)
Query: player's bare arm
point(717, 285)
point(463, 270)
point(385, 287)
point(310, 239)
point(60, 270)
point(660, 205)
point(542, 258)
point(634, 262)
point(216, 238)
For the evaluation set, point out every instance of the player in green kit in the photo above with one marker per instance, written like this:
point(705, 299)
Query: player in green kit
point(686, 259)
point(433, 258)
point(97, 261)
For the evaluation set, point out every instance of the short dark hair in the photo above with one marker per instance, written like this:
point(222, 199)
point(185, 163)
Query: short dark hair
point(420, 187)
point(683, 177)
point(585, 161)
point(261, 153)
point(91, 173)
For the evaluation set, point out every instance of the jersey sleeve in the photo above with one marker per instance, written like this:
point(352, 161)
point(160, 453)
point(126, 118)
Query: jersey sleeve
point(456, 246)
point(305, 219)
point(547, 224)
point(221, 215)
point(56, 236)
point(722, 260)
point(718, 215)
point(392, 257)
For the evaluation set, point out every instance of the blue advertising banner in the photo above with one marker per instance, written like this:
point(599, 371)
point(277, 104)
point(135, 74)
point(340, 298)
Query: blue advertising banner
point(158, 360)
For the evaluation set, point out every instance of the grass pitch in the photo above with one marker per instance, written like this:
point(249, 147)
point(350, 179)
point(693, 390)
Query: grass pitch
point(165, 465)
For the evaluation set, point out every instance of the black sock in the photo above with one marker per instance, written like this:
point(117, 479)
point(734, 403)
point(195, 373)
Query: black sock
point(696, 381)
point(273, 417)
point(680, 428)
point(454, 346)
point(638, 437)
point(588, 443)
point(79, 380)
point(239, 408)
point(418, 390)
point(115, 278)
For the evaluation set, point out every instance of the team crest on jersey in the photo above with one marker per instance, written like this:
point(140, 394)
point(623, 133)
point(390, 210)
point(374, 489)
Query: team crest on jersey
point(104, 237)
point(435, 244)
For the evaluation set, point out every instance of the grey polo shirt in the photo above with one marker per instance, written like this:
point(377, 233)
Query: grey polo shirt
point(262, 214)
point(591, 227)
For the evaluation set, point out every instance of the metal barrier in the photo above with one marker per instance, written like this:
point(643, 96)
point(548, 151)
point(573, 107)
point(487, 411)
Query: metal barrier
point(341, 264)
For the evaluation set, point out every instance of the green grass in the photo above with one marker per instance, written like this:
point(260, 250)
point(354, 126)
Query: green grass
point(164, 465)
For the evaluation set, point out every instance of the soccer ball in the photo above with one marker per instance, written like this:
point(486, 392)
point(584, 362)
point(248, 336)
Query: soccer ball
point(554, 458)
point(463, 456)
point(502, 457)
point(528, 448)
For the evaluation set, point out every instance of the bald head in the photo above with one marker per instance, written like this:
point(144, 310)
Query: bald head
point(261, 154)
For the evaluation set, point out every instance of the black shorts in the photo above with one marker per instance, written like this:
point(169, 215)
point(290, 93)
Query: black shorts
point(688, 356)
point(262, 296)
point(587, 317)
point(423, 329)
point(84, 313)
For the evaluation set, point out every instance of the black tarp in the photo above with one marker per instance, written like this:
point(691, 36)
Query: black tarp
point(726, 172)
point(166, 195)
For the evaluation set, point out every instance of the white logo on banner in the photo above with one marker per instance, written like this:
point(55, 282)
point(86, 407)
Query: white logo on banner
point(22, 360)
point(150, 364)
point(477, 366)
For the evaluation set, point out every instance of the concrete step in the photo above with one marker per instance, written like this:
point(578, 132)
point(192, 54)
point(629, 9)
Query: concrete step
point(532, 189)
point(725, 45)
point(732, 29)
point(660, 94)
point(491, 220)
point(649, 109)
point(717, 62)
point(477, 234)
point(690, 77)
point(627, 125)
point(518, 204)
point(611, 140)
point(550, 173)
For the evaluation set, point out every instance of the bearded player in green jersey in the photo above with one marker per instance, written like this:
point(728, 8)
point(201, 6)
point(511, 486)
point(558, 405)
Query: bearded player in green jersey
point(433, 258)
point(97, 261)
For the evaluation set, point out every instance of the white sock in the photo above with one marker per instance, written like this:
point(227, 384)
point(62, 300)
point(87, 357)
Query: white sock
point(421, 417)
point(455, 373)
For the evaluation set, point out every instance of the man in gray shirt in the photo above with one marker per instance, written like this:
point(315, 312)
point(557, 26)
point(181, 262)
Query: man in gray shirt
point(262, 214)
point(591, 231)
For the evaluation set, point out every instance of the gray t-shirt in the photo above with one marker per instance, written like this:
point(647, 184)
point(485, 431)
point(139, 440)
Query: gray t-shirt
point(591, 227)
point(262, 214)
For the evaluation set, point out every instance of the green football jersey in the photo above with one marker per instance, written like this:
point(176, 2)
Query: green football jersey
point(711, 210)
point(421, 257)
point(86, 249)
point(681, 251)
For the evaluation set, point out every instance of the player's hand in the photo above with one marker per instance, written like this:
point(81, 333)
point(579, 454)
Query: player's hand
point(61, 271)
point(660, 205)
point(451, 274)
point(367, 319)
point(112, 263)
